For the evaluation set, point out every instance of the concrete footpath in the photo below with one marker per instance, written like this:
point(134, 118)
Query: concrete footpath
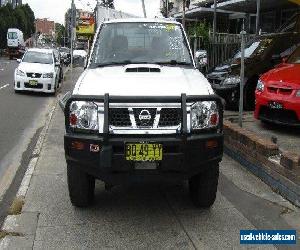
point(140, 216)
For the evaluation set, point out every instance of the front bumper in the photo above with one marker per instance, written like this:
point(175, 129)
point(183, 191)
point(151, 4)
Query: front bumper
point(184, 154)
point(229, 93)
point(183, 157)
point(289, 115)
point(45, 85)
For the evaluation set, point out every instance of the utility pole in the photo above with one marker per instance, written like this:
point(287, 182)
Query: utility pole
point(257, 16)
point(72, 31)
point(167, 8)
point(215, 21)
point(242, 76)
point(183, 15)
point(144, 8)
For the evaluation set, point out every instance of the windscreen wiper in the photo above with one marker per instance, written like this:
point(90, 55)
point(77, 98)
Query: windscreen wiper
point(173, 62)
point(112, 63)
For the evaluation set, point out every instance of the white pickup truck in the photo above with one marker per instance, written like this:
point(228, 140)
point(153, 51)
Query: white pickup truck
point(141, 112)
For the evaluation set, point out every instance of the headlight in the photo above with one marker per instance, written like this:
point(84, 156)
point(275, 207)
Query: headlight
point(260, 86)
point(232, 80)
point(20, 73)
point(84, 115)
point(298, 93)
point(48, 75)
point(204, 115)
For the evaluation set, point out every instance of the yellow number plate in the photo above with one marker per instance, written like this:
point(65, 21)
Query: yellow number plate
point(143, 152)
point(33, 82)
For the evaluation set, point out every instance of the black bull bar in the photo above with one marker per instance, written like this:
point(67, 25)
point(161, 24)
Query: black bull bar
point(107, 99)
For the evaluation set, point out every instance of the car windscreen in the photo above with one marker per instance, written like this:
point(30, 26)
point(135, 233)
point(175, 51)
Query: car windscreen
point(140, 43)
point(12, 35)
point(295, 57)
point(38, 57)
point(255, 48)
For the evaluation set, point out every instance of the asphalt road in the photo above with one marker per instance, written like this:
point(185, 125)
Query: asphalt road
point(21, 115)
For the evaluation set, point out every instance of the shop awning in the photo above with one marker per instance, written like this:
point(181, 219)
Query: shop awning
point(202, 12)
point(250, 5)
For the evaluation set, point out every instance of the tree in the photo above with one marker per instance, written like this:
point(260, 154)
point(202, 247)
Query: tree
point(59, 33)
point(22, 17)
point(108, 3)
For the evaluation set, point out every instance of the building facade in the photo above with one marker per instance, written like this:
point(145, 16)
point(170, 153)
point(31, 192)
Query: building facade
point(13, 2)
point(233, 14)
point(45, 27)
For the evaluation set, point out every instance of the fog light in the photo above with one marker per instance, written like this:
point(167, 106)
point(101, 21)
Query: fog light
point(211, 144)
point(77, 145)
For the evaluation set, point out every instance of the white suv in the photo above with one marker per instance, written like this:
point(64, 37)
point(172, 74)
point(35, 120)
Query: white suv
point(141, 111)
point(39, 71)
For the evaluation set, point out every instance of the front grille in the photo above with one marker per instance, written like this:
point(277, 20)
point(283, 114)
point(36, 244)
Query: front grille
point(281, 91)
point(169, 117)
point(38, 86)
point(284, 115)
point(119, 117)
point(34, 75)
point(144, 117)
point(215, 81)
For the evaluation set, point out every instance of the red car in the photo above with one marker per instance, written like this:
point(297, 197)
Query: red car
point(278, 93)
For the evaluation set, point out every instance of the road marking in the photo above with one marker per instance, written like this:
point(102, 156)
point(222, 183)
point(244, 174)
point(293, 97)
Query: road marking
point(6, 85)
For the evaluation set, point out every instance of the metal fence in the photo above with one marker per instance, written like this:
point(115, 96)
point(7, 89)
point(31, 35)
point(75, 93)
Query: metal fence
point(219, 49)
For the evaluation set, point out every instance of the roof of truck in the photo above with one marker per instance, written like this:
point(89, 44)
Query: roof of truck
point(142, 20)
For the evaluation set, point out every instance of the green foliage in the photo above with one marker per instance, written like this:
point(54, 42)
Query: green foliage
point(22, 17)
point(59, 32)
point(199, 30)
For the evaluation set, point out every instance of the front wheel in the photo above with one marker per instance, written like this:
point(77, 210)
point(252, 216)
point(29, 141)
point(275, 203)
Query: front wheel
point(81, 186)
point(203, 187)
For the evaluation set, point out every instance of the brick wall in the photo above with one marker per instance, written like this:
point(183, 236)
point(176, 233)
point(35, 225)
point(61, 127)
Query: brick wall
point(44, 26)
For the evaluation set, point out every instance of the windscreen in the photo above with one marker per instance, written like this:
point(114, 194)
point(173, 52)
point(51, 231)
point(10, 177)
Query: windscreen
point(12, 35)
point(140, 43)
point(38, 57)
point(255, 48)
point(295, 57)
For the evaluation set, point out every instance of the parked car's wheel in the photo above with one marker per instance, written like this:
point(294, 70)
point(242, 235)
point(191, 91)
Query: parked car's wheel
point(203, 187)
point(81, 186)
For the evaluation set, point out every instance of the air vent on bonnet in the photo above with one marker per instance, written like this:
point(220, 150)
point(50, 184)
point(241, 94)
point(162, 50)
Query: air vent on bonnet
point(142, 69)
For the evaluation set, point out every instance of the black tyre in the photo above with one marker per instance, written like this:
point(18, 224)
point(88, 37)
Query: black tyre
point(81, 187)
point(203, 187)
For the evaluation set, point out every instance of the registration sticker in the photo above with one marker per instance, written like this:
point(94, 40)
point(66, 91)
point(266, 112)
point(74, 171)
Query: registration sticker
point(170, 27)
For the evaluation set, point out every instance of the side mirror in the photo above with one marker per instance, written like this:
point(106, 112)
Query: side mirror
point(19, 60)
point(64, 99)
